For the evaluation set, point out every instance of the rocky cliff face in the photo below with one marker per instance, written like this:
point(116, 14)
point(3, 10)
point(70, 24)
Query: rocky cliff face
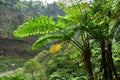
point(14, 47)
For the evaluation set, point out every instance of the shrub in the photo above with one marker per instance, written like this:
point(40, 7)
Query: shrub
point(34, 70)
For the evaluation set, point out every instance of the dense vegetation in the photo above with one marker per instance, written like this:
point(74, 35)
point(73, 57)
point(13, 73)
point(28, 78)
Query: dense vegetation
point(11, 63)
point(85, 42)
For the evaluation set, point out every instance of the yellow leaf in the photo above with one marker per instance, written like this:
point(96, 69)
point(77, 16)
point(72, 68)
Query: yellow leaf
point(55, 48)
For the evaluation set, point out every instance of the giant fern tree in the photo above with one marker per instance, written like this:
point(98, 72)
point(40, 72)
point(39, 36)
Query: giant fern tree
point(64, 30)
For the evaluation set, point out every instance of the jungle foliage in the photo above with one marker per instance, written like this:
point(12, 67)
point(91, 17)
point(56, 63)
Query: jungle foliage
point(91, 27)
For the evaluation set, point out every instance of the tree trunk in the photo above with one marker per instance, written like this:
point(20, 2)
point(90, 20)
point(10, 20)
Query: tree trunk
point(104, 66)
point(88, 66)
point(108, 59)
point(109, 50)
point(87, 61)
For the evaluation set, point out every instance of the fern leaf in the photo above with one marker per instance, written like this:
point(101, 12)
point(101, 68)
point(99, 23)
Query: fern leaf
point(38, 25)
point(46, 39)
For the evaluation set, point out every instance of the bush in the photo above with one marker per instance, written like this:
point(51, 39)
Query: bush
point(34, 70)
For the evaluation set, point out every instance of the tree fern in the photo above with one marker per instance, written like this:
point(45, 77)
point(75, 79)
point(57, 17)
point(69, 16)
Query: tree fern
point(46, 26)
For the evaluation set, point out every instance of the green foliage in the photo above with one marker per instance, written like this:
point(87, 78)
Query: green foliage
point(46, 26)
point(38, 25)
point(34, 70)
point(13, 77)
point(116, 48)
point(46, 39)
point(74, 53)
point(102, 25)
point(116, 55)
point(89, 21)
point(10, 63)
point(60, 66)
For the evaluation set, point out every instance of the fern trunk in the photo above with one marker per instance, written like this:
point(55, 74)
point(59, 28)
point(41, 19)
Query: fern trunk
point(104, 65)
point(87, 59)
point(88, 65)
point(112, 67)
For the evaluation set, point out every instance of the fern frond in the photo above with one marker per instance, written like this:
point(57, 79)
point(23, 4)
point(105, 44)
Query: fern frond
point(74, 54)
point(46, 39)
point(38, 25)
